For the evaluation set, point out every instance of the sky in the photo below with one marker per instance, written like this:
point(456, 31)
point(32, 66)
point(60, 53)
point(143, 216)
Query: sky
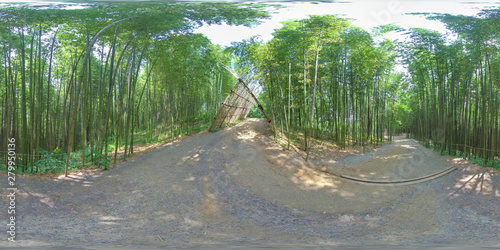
point(365, 14)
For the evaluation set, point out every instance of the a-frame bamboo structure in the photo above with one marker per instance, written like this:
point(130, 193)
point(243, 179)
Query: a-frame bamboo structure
point(237, 105)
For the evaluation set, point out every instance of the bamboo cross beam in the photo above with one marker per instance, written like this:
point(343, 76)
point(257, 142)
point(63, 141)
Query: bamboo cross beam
point(232, 91)
point(251, 93)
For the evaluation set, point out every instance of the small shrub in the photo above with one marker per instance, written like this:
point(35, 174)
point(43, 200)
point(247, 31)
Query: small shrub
point(255, 113)
point(49, 162)
point(478, 161)
point(104, 161)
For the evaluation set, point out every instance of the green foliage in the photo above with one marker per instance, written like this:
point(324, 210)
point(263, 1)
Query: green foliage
point(155, 19)
point(384, 29)
point(104, 159)
point(478, 161)
point(49, 163)
point(325, 78)
point(452, 90)
point(255, 113)
point(496, 164)
point(456, 153)
point(151, 79)
point(148, 75)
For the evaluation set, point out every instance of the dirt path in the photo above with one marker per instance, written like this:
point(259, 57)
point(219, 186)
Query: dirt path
point(237, 187)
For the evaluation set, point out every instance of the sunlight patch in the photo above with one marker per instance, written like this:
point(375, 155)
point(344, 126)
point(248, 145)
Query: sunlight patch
point(110, 218)
point(309, 180)
point(48, 201)
point(73, 177)
point(247, 135)
point(192, 223)
point(192, 178)
point(408, 146)
point(479, 183)
point(387, 157)
point(110, 223)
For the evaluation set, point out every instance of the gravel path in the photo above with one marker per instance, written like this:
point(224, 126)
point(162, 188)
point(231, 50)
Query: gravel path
point(236, 187)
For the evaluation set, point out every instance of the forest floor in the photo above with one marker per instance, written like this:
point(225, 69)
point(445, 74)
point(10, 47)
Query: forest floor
point(236, 187)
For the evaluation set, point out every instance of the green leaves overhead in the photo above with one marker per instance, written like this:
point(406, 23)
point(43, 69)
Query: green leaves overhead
point(297, 35)
point(453, 86)
point(320, 77)
point(89, 87)
point(326, 79)
point(384, 29)
point(153, 18)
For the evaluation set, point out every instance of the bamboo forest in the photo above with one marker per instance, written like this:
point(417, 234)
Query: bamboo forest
point(90, 84)
point(279, 124)
point(88, 81)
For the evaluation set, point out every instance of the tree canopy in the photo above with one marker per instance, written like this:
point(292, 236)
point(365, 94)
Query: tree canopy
point(326, 79)
point(89, 79)
point(82, 86)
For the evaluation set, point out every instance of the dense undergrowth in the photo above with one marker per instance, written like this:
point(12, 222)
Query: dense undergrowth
point(55, 161)
point(474, 159)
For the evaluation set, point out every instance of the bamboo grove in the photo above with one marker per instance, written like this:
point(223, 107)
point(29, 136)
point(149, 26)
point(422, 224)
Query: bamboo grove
point(324, 78)
point(88, 80)
point(452, 96)
point(79, 86)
